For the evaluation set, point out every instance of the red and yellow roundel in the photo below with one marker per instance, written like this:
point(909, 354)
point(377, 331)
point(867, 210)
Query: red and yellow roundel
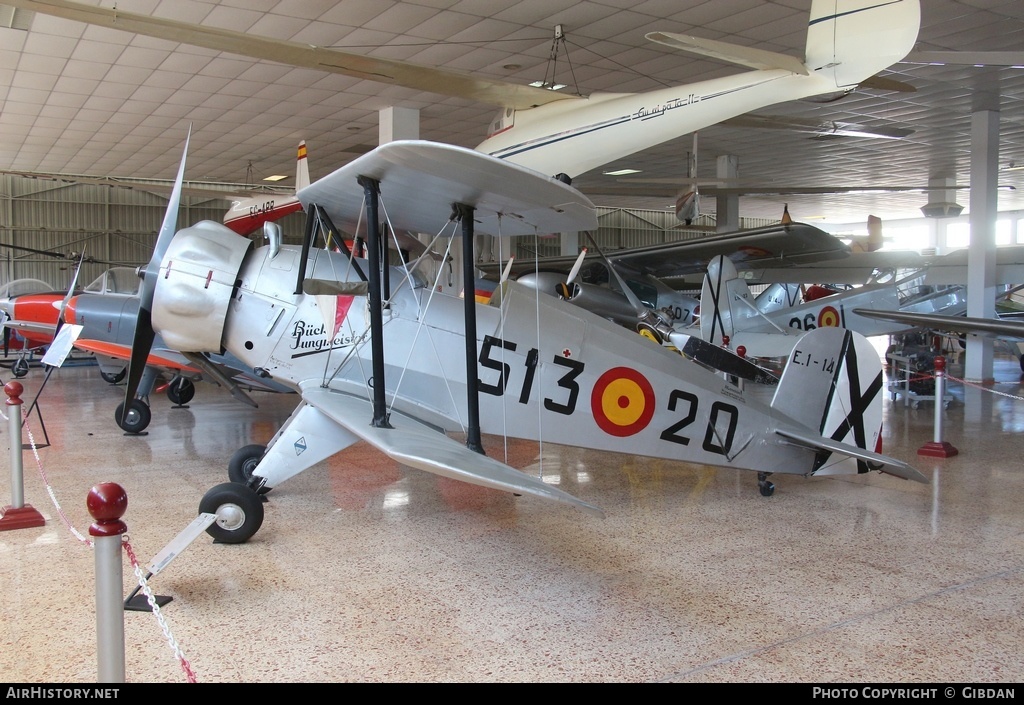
point(622, 402)
point(828, 317)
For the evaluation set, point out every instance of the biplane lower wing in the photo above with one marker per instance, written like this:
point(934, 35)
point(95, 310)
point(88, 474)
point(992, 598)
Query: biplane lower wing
point(419, 445)
point(124, 352)
point(961, 324)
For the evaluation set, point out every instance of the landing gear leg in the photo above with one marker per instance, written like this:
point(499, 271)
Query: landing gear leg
point(767, 488)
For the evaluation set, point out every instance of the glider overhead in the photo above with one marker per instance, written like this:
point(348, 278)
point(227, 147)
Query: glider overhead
point(379, 355)
point(847, 43)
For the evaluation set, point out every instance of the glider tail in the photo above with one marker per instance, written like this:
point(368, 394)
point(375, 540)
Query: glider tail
point(849, 41)
point(832, 388)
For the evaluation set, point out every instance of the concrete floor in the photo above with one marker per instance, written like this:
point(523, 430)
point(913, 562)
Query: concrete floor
point(365, 571)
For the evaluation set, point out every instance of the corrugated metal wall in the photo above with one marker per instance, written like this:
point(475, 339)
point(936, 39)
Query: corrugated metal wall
point(113, 225)
point(116, 226)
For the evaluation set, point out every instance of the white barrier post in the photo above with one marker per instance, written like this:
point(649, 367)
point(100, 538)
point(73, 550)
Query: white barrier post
point(18, 515)
point(107, 503)
point(938, 448)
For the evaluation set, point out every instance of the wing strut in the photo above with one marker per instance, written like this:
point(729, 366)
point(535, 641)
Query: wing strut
point(464, 213)
point(371, 192)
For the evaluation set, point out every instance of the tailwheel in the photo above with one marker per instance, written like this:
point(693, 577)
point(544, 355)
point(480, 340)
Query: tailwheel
point(180, 391)
point(20, 367)
point(239, 512)
point(244, 461)
point(113, 377)
point(767, 488)
point(137, 417)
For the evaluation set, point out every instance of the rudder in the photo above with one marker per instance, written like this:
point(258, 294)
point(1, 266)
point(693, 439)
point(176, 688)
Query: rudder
point(834, 386)
point(851, 40)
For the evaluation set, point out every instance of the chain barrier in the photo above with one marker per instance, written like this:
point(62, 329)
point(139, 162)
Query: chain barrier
point(984, 388)
point(967, 383)
point(143, 584)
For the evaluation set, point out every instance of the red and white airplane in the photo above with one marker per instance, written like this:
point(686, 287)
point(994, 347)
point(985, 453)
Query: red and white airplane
point(248, 214)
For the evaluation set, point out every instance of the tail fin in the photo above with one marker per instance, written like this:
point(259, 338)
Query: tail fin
point(301, 168)
point(778, 297)
point(833, 389)
point(721, 289)
point(850, 40)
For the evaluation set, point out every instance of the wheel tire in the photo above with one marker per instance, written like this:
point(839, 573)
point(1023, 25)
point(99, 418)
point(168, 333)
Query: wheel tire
point(181, 391)
point(137, 418)
point(244, 461)
point(239, 512)
point(20, 367)
point(1022, 363)
point(767, 489)
point(115, 378)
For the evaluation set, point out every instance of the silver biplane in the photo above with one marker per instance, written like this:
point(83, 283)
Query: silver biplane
point(378, 354)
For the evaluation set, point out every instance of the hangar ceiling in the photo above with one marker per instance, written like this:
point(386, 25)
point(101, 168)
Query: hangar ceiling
point(79, 99)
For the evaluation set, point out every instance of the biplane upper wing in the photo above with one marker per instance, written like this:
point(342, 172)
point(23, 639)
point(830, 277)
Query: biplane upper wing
point(416, 444)
point(514, 201)
point(775, 246)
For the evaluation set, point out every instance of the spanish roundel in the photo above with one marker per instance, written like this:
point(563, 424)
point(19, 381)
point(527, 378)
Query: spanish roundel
point(829, 318)
point(622, 402)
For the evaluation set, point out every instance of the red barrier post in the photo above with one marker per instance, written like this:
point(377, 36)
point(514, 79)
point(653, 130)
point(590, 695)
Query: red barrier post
point(17, 515)
point(107, 503)
point(938, 448)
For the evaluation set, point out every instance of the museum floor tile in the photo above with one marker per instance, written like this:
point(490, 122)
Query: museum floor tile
point(367, 571)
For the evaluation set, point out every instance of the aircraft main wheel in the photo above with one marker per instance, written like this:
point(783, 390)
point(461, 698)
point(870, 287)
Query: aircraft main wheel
point(115, 378)
point(20, 367)
point(1022, 363)
point(239, 512)
point(244, 461)
point(137, 418)
point(180, 391)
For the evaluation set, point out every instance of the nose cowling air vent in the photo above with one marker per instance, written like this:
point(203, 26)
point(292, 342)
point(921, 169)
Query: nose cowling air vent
point(194, 286)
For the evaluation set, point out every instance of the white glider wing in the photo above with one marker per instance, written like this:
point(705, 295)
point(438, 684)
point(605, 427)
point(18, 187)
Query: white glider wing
point(416, 444)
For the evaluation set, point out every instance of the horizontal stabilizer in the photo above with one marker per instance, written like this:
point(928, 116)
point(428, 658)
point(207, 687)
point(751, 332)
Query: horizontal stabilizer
point(414, 443)
point(888, 465)
point(733, 53)
point(330, 287)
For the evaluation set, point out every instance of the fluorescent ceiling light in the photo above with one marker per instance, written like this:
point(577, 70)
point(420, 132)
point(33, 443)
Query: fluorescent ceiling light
point(275, 177)
point(621, 172)
point(549, 86)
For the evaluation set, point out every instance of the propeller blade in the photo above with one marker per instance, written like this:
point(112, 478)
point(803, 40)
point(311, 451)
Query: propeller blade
point(67, 297)
point(576, 266)
point(722, 359)
point(505, 272)
point(142, 341)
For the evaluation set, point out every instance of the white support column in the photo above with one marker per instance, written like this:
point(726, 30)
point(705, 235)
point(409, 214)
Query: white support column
point(727, 208)
point(399, 124)
point(981, 254)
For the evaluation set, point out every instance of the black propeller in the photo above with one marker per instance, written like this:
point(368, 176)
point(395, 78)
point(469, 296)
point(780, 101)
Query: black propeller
point(142, 342)
point(692, 347)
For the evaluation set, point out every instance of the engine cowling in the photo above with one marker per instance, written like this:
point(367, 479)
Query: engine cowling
point(195, 283)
